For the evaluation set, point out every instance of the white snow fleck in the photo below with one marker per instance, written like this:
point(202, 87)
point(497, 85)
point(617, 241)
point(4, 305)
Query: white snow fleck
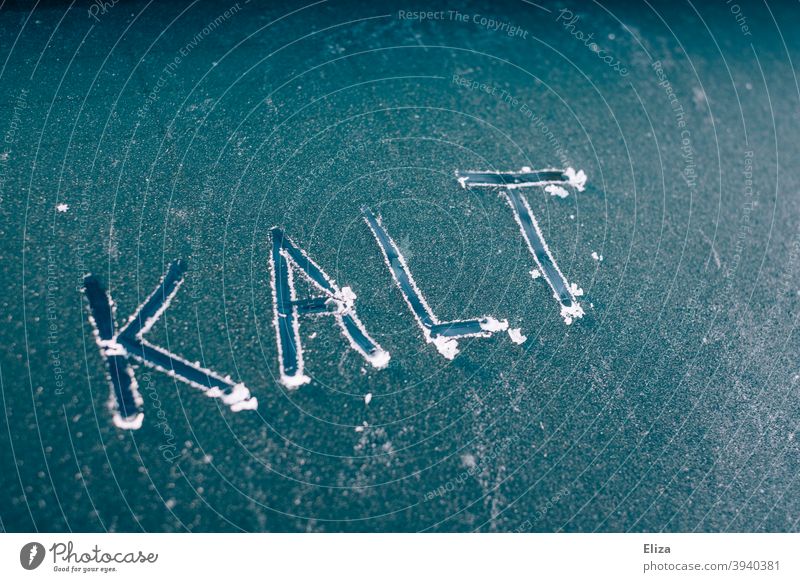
point(62, 207)
point(597, 257)
point(368, 398)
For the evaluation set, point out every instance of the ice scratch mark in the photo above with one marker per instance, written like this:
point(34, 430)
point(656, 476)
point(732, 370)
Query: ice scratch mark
point(287, 309)
point(525, 178)
point(118, 348)
point(563, 292)
point(442, 335)
point(714, 253)
point(509, 183)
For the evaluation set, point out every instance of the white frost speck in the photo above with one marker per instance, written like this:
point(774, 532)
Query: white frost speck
point(597, 257)
point(368, 398)
point(62, 207)
point(536, 273)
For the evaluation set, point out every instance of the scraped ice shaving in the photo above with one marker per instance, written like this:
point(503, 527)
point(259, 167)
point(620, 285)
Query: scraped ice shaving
point(555, 190)
point(448, 347)
point(379, 359)
point(249, 404)
point(347, 298)
point(130, 423)
point(112, 347)
point(294, 382)
point(576, 179)
point(492, 325)
point(237, 394)
point(516, 336)
point(571, 313)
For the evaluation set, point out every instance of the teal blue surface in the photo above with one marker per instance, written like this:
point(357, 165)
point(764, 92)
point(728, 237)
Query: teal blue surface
point(170, 130)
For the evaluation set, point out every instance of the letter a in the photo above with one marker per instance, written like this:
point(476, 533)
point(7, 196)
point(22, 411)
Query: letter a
point(287, 309)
